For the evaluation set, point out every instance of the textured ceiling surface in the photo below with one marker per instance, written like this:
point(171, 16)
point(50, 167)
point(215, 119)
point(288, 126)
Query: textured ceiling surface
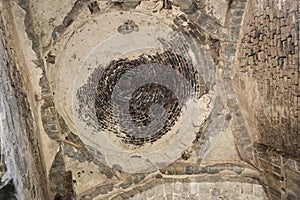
point(145, 99)
point(140, 93)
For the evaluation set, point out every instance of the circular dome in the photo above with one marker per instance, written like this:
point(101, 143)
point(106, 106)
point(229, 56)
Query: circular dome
point(139, 97)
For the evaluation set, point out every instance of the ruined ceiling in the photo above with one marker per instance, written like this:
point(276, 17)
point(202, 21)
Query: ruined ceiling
point(130, 99)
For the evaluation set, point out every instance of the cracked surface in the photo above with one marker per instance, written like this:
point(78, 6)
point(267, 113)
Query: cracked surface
point(72, 55)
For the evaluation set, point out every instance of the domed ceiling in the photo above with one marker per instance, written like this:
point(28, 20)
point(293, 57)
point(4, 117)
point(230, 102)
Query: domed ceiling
point(135, 99)
point(132, 87)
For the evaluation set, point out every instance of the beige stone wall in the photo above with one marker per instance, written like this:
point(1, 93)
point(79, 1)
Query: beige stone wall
point(266, 80)
point(22, 160)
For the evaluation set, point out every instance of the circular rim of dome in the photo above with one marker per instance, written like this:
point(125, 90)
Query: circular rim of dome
point(146, 159)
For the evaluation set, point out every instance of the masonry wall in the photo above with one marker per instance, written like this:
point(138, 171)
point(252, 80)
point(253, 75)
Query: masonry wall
point(19, 144)
point(266, 80)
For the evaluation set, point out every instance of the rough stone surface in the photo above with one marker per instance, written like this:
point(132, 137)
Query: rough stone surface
point(183, 189)
point(266, 79)
point(269, 66)
point(239, 141)
point(19, 143)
